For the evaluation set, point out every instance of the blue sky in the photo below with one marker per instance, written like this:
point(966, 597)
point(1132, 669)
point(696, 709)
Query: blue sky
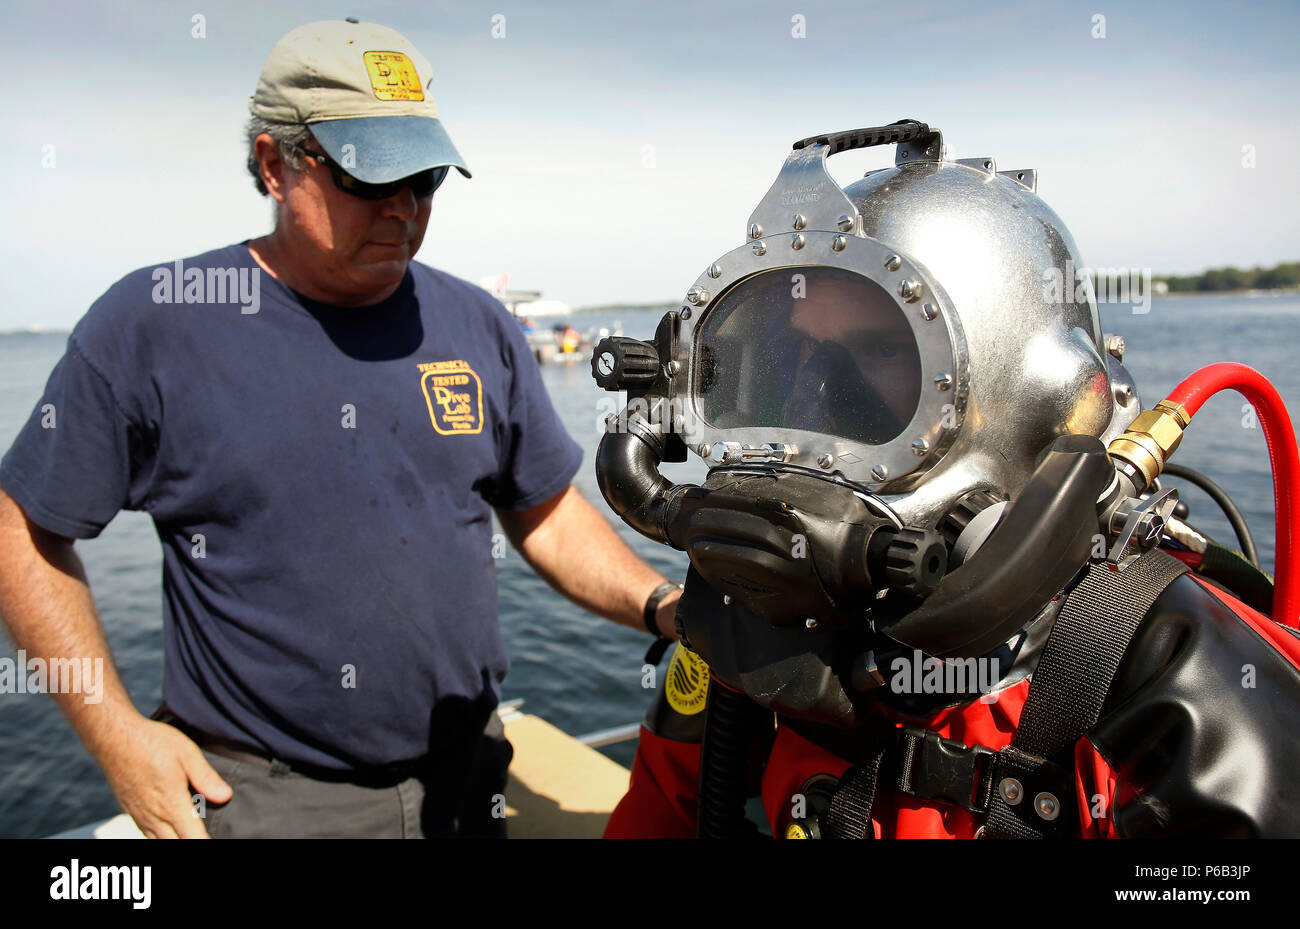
point(618, 148)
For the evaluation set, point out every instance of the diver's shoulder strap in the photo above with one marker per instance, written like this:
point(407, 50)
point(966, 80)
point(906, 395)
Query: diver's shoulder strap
point(1027, 788)
point(1068, 689)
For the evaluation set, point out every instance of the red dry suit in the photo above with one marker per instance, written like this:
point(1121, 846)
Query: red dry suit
point(1196, 738)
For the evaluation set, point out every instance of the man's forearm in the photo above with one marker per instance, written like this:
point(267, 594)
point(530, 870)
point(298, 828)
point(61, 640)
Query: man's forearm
point(575, 550)
point(45, 601)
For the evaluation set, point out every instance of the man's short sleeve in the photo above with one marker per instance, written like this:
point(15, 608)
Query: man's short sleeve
point(72, 466)
point(539, 457)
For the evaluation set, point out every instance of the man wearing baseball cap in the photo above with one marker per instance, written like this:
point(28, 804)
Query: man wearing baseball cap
point(320, 429)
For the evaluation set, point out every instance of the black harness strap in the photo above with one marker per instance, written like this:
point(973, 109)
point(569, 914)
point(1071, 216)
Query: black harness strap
point(1067, 691)
point(849, 815)
point(1027, 788)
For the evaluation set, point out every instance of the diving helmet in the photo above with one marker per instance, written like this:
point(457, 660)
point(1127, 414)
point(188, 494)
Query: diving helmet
point(882, 379)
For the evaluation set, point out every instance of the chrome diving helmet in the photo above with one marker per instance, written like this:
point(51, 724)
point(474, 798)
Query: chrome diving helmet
point(882, 379)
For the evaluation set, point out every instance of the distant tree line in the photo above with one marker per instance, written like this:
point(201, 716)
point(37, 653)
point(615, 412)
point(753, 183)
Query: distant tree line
point(1282, 276)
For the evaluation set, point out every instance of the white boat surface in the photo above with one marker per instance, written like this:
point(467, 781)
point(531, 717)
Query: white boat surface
point(559, 786)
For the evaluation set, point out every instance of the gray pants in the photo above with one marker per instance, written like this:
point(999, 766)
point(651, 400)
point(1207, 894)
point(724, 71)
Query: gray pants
point(272, 801)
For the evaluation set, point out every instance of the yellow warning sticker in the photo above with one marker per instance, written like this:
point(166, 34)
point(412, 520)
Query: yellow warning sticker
point(454, 395)
point(687, 683)
point(393, 77)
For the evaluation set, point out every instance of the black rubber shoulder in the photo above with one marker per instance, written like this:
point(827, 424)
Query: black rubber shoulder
point(1200, 725)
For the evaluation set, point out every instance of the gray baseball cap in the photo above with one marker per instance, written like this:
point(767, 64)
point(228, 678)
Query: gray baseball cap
point(363, 90)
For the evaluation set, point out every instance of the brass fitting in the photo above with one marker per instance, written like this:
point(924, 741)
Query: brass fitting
point(1150, 440)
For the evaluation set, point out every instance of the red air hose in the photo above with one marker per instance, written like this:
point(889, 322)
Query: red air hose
point(1283, 456)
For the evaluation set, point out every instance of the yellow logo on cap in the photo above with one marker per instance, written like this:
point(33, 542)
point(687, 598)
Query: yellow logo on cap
point(393, 77)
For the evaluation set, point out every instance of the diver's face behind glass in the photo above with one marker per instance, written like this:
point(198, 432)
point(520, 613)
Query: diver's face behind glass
point(857, 368)
point(818, 349)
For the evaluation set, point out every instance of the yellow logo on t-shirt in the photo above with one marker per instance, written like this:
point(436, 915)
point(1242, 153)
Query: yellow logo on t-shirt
point(393, 77)
point(454, 394)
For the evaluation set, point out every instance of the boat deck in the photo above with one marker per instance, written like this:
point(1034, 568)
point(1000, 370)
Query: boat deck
point(559, 787)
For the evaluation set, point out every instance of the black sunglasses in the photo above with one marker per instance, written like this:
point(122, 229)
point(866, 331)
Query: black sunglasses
point(422, 184)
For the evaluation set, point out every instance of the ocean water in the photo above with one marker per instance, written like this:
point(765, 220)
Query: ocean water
point(576, 670)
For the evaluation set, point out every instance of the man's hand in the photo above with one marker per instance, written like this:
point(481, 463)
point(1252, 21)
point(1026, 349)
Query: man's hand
point(575, 550)
point(46, 603)
point(151, 772)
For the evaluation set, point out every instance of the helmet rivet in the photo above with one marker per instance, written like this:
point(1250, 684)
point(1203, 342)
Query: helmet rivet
point(726, 599)
point(715, 271)
point(702, 449)
point(911, 290)
point(797, 242)
point(810, 623)
point(839, 242)
point(1047, 806)
point(920, 446)
point(880, 472)
point(1124, 394)
point(825, 460)
point(893, 263)
point(760, 249)
point(943, 381)
point(1011, 790)
point(845, 223)
point(697, 295)
point(799, 221)
point(755, 230)
point(674, 366)
point(686, 312)
point(928, 311)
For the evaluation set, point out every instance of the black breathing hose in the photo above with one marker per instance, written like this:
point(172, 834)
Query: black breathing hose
point(1219, 496)
point(730, 719)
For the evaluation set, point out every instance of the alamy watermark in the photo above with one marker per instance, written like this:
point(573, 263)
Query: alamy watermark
point(925, 674)
point(25, 675)
point(1104, 285)
point(179, 284)
point(76, 881)
point(661, 415)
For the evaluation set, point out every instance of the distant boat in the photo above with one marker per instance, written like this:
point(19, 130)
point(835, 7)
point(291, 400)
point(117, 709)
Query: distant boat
point(523, 302)
point(543, 308)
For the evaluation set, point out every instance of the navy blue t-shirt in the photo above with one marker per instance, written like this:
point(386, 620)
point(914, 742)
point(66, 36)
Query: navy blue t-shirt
point(321, 480)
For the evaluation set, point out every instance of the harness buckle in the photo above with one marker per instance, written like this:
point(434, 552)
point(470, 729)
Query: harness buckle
point(934, 768)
